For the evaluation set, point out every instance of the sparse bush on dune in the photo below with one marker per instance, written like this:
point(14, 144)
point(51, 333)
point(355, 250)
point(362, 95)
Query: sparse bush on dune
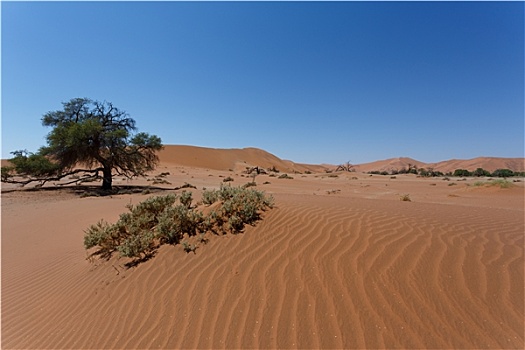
point(501, 183)
point(161, 220)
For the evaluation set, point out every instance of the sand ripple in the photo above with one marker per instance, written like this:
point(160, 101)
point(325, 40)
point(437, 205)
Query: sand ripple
point(318, 272)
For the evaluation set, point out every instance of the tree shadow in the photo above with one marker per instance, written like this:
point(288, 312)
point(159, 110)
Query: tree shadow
point(137, 261)
point(94, 191)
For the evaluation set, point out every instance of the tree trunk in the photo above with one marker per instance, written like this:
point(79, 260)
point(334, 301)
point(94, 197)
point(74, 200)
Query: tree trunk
point(107, 179)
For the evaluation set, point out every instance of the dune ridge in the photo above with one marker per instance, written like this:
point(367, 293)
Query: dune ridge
point(225, 159)
point(487, 163)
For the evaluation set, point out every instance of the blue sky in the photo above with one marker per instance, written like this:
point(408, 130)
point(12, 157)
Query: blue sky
point(307, 81)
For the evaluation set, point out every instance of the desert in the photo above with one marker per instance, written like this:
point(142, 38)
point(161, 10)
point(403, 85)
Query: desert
point(339, 262)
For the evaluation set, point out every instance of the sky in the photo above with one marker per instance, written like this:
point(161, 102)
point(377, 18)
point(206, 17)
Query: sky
point(307, 81)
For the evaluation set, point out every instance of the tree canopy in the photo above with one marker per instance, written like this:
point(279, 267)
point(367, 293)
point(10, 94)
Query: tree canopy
point(88, 137)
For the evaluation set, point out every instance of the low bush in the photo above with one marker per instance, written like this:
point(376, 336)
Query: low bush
point(168, 219)
point(405, 198)
point(501, 183)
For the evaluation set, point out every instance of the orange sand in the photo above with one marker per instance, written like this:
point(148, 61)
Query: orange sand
point(340, 262)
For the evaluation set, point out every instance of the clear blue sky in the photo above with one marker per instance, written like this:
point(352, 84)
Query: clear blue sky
point(310, 82)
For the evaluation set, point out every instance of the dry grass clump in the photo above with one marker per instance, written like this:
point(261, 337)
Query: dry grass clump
point(501, 183)
point(405, 198)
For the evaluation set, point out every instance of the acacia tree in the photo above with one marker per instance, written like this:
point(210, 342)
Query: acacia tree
point(89, 138)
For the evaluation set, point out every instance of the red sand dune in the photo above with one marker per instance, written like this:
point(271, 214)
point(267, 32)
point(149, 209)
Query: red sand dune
point(339, 263)
point(225, 159)
point(487, 163)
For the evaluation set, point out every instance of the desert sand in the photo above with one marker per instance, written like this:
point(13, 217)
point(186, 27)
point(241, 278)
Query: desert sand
point(339, 263)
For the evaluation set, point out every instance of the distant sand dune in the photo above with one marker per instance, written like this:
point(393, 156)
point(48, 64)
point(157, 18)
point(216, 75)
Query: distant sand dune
point(225, 159)
point(487, 163)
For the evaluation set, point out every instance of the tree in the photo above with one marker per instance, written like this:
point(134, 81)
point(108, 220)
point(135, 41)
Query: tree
point(93, 135)
point(480, 172)
point(503, 173)
point(461, 173)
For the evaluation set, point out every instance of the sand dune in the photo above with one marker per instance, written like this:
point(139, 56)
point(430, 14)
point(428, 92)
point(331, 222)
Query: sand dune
point(225, 159)
point(340, 262)
point(487, 163)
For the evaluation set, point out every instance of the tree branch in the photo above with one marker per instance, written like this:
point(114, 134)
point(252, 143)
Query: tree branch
point(43, 180)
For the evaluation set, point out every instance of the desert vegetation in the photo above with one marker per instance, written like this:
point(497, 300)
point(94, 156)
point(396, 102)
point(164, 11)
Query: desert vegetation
point(501, 183)
point(430, 172)
point(88, 138)
point(172, 219)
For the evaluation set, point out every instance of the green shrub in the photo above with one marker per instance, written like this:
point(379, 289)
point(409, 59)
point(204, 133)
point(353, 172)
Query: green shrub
point(210, 196)
point(480, 172)
point(462, 173)
point(157, 220)
point(503, 173)
point(186, 198)
point(189, 247)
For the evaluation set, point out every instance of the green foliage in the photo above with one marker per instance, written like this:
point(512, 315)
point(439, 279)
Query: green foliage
point(461, 173)
point(92, 134)
point(189, 247)
point(503, 173)
point(210, 196)
point(25, 162)
point(186, 197)
point(160, 220)
point(480, 172)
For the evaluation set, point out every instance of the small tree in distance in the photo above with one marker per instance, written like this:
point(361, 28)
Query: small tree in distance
point(90, 134)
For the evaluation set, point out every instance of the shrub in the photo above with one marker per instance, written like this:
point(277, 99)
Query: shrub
point(249, 184)
point(461, 173)
point(158, 220)
point(501, 183)
point(405, 198)
point(189, 247)
point(503, 173)
point(285, 176)
point(158, 180)
point(186, 198)
point(480, 172)
point(227, 179)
